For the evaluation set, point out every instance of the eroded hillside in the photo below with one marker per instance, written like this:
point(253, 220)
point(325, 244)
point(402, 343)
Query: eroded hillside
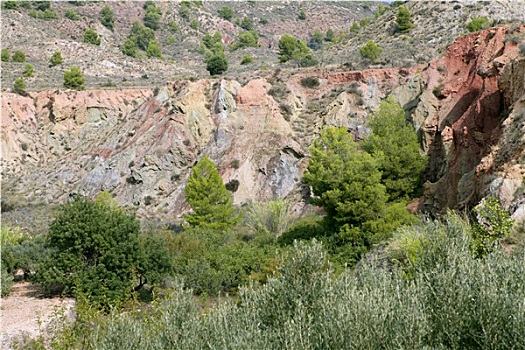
point(141, 143)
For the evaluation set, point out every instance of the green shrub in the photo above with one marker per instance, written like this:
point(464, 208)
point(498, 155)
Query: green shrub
point(5, 55)
point(95, 253)
point(308, 61)
point(73, 79)
point(292, 48)
point(19, 56)
point(217, 64)
point(478, 23)
point(141, 35)
point(129, 47)
point(330, 35)
point(28, 71)
point(106, 17)
point(302, 15)
point(91, 37)
point(46, 14)
point(10, 5)
point(19, 85)
point(246, 59)
point(226, 13)
point(370, 50)
point(403, 22)
point(6, 283)
point(492, 223)
point(269, 218)
point(194, 24)
point(154, 49)
point(152, 18)
point(174, 27)
point(310, 82)
point(248, 39)
point(72, 15)
point(316, 41)
point(245, 23)
point(56, 59)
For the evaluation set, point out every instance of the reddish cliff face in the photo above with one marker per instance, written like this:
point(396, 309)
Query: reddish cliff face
point(141, 144)
point(461, 107)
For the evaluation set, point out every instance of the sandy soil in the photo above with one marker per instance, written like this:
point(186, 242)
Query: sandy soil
point(26, 313)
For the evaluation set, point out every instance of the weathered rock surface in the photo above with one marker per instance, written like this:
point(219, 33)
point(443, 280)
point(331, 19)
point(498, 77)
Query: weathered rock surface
point(140, 144)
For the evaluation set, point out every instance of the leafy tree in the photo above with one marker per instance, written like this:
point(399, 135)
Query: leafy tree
point(72, 15)
point(208, 197)
point(19, 56)
point(96, 253)
point(370, 50)
point(292, 48)
point(56, 58)
point(226, 12)
point(106, 17)
point(394, 143)
point(330, 35)
point(19, 85)
point(492, 223)
point(129, 47)
point(154, 49)
point(73, 79)
point(404, 25)
point(5, 55)
point(316, 41)
point(28, 71)
point(345, 181)
point(91, 37)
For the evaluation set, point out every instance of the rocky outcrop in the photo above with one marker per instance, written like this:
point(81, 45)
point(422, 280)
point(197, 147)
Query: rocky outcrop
point(461, 103)
point(141, 144)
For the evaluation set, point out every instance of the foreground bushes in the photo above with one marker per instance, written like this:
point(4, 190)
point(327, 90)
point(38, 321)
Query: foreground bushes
point(450, 301)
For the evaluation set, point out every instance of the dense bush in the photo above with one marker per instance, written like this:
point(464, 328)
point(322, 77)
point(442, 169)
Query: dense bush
point(292, 48)
point(18, 56)
point(95, 253)
point(5, 55)
point(56, 59)
point(246, 59)
point(154, 49)
point(451, 301)
point(129, 48)
point(248, 39)
point(152, 16)
point(226, 12)
point(310, 82)
point(217, 64)
point(72, 15)
point(316, 41)
point(106, 17)
point(73, 79)
point(478, 23)
point(29, 70)
point(403, 23)
point(19, 85)
point(370, 50)
point(491, 224)
point(91, 37)
point(141, 35)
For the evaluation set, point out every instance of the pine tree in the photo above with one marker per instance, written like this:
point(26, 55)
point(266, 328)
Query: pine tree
point(208, 197)
point(395, 145)
point(404, 25)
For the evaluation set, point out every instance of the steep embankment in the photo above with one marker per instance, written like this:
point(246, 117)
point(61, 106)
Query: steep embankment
point(141, 144)
point(465, 105)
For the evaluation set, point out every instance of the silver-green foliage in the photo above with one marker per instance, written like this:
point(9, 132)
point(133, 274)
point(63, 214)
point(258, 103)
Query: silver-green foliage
point(452, 301)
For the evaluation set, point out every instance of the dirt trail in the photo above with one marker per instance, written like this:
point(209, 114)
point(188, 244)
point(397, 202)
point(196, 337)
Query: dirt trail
point(26, 312)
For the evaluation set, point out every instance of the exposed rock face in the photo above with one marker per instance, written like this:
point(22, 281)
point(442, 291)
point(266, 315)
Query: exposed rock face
point(460, 104)
point(141, 144)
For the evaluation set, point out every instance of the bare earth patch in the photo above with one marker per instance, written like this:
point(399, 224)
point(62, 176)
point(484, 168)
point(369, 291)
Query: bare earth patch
point(25, 312)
